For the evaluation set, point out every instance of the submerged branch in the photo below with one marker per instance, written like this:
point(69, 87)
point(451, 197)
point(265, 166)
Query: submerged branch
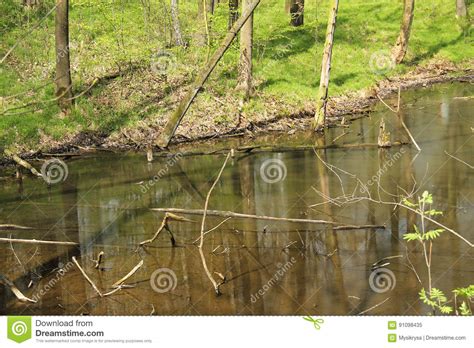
point(18, 294)
point(36, 241)
point(230, 214)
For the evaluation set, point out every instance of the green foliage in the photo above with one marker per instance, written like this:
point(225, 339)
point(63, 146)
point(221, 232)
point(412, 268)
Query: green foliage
point(107, 36)
point(436, 300)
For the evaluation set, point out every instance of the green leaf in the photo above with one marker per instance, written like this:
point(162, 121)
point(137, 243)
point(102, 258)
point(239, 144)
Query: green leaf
point(433, 234)
point(464, 309)
point(408, 203)
point(446, 309)
point(412, 236)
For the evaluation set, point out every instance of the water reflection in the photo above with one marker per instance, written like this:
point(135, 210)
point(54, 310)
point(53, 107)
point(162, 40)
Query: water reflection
point(299, 268)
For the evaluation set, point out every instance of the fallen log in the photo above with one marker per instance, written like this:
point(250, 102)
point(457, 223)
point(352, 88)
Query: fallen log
point(22, 163)
point(230, 214)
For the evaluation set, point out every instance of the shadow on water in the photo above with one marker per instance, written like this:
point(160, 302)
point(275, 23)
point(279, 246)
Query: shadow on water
point(270, 267)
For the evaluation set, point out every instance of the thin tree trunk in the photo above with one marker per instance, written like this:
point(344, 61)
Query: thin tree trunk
point(288, 5)
point(246, 44)
point(211, 4)
point(233, 12)
point(296, 12)
point(461, 9)
point(30, 3)
point(401, 45)
point(178, 37)
point(63, 66)
point(183, 107)
point(321, 100)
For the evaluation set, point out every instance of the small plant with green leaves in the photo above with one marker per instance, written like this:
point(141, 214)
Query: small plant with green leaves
point(435, 298)
point(465, 307)
point(423, 236)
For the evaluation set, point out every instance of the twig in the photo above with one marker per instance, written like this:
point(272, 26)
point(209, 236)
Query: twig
point(164, 225)
point(99, 260)
point(35, 241)
point(213, 229)
point(7, 227)
point(18, 294)
point(373, 307)
point(87, 277)
point(203, 224)
point(460, 160)
point(131, 273)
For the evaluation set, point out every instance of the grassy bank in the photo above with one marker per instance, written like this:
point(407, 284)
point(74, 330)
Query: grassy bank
point(117, 57)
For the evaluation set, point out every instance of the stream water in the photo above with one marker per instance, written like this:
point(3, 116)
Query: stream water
point(271, 267)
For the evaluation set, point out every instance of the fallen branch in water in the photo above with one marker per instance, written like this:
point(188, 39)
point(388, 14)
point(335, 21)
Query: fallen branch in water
point(7, 227)
point(89, 280)
point(459, 160)
point(203, 225)
point(22, 163)
point(36, 241)
point(401, 119)
point(129, 274)
point(18, 294)
point(99, 260)
point(230, 214)
point(164, 226)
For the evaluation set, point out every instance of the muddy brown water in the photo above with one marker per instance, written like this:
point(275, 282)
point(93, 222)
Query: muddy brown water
point(270, 267)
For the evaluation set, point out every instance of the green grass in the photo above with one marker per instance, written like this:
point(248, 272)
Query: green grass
point(112, 34)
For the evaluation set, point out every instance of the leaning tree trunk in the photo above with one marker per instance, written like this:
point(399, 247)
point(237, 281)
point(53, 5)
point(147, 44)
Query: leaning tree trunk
point(246, 43)
point(178, 37)
point(296, 12)
point(63, 66)
point(233, 12)
point(401, 46)
point(321, 100)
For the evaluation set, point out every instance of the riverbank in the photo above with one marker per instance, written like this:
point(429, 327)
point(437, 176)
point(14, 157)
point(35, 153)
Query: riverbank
point(125, 91)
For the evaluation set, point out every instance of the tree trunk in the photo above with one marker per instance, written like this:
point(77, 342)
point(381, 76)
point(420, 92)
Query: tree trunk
point(183, 107)
point(178, 37)
point(401, 46)
point(296, 12)
point(461, 9)
point(246, 43)
point(211, 4)
point(288, 5)
point(30, 3)
point(63, 66)
point(321, 100)
point(233, 12)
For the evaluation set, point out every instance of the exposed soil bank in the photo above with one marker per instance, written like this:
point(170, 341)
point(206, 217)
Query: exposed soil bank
point(275, 118)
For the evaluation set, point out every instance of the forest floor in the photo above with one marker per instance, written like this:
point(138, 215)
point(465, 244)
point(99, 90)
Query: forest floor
point(128, 77)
